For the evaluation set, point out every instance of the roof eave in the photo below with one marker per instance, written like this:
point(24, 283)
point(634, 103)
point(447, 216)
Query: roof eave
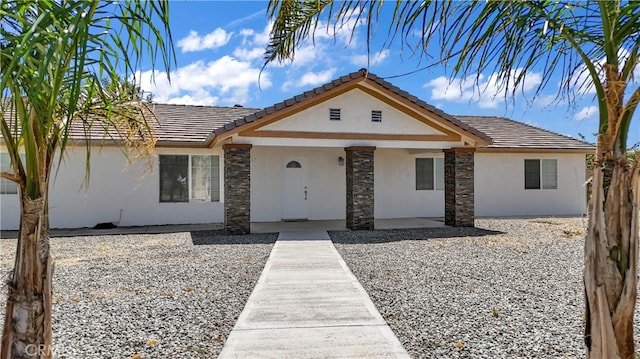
point(537, 149)
point(189, 144)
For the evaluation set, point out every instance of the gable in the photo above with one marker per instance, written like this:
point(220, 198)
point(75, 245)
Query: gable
point(416, 122)
point(356, 108)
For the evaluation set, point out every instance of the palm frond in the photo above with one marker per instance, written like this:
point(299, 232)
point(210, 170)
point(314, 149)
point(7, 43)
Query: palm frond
point(55, 56)
point(510, 39)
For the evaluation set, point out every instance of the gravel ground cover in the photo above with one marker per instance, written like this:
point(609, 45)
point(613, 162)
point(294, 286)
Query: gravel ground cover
point(172, 295)
point(509, 289)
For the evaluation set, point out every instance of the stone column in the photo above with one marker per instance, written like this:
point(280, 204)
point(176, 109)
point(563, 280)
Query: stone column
point(458, 187)
point(237, 188)
point(360, 187)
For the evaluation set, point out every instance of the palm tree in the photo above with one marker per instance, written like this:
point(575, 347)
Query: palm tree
point(66, 68)
point(592, 45)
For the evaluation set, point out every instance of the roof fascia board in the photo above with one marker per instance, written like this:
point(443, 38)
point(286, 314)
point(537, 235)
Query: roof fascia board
point(403, 105)
point(287, 111)
point(533, 150)
point(352, 136)
point(418, 112)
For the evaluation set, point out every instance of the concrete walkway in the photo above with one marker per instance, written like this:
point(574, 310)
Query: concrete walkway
point(308, 304)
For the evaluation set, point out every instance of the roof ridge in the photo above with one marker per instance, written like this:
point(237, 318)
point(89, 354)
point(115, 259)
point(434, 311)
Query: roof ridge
point(205, 106)
point(483, 116)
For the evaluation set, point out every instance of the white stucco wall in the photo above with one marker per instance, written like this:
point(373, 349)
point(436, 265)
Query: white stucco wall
point(356, 107)
point(114, 187)
point(499, 186)
point(395, 186)
point(326, 182)
point(395, 193)
point(9, 211)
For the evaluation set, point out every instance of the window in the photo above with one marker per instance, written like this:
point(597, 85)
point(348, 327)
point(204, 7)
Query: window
point(540, 174)
point(439, 173)
point(334, 114)
point(376, 116)
point(6, 186)
point(205, 178)
point(186, 178)
point(429, 173)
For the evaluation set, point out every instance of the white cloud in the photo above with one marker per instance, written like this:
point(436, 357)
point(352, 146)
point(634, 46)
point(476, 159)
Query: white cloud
point(251, 37)
point(375, 59)
point(225, 81)
point(310, 79)
point(204, 99)
point(546, 100)
point(584, 83)
point(248, 54)
point(253, 44)
point(312, 50)
point(487, 92)
point(586, 113)
point(340, 32)
point(247, 32)
point(262, 38)
point(213, 40)
point(308, 54)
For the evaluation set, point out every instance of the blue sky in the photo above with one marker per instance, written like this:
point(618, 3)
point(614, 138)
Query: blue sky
point(220, 47)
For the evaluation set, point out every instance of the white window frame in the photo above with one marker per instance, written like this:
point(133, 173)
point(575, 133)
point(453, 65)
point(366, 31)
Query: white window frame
point(547, 172)
point(190, 179)
point(438, 174)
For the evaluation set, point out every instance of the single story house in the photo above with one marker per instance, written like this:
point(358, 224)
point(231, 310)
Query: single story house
point(355, 149)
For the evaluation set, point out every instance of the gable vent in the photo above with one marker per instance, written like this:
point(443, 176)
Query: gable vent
point(376, 116)
point(334, 114)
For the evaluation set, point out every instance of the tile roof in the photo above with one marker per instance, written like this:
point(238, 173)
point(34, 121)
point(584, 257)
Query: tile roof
point(174, 125)
point(196, 126)
point(509, 134)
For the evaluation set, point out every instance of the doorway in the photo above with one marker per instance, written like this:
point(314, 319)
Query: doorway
point(295, 191)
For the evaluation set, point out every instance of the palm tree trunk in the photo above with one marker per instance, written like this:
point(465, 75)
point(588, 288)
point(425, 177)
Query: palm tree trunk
point(611, 250)
point(27, 326)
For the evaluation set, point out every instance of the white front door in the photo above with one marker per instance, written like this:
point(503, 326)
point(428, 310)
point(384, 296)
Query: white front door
point(295, 191)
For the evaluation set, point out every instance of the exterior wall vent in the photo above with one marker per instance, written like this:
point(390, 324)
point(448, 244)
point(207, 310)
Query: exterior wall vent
point(334, 114)
point(376, 116)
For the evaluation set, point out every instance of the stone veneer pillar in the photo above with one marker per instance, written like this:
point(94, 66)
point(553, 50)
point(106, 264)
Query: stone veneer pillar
point(360, 192)
point(237, 188)
point(458, 187)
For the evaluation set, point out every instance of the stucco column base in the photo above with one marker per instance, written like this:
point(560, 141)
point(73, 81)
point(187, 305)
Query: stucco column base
point(360, 194)
point(459, 208)
point(237, 188)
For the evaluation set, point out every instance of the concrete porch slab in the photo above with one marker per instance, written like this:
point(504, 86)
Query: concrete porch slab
point(340, 225)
